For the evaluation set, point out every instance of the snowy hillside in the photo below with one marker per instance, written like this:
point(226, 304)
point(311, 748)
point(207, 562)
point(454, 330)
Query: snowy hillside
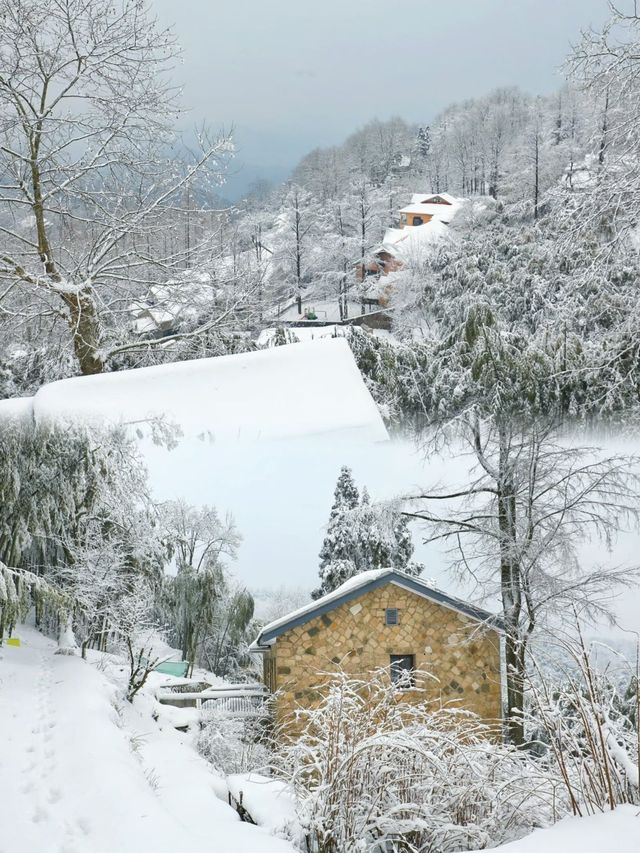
point(81, 771)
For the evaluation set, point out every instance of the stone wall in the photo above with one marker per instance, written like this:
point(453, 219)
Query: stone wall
point(463, 656)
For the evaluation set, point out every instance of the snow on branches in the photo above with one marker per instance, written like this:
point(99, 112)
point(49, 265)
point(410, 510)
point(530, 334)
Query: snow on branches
point(368, 770)
point(362, 536)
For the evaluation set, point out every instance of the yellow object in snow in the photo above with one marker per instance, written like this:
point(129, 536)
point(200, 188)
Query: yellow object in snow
point(13, 641)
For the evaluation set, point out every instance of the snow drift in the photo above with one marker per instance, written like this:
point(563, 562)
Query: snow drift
point(306, 389)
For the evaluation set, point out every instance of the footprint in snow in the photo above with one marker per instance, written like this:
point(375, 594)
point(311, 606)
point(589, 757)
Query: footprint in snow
point(84, 826)
point(40, 814)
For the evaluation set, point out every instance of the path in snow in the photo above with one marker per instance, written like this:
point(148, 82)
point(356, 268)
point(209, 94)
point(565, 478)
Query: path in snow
point(79, 773)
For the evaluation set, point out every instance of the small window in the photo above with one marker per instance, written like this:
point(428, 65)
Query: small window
point(418, 220)
point(403, 670)
point(391, 616)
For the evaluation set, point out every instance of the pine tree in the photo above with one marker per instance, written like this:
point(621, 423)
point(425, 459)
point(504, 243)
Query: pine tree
point(423, 143)
point(345, 497)
point(361, 536)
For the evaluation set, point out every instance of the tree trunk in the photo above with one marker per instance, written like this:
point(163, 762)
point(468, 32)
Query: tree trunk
point(85, 329)
point(514, 660)
point(536, 185)
point(604, 131)
point(510, 584)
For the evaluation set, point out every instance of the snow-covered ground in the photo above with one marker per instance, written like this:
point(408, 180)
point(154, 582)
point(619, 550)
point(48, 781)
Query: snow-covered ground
point(324, 310)
point(81, 771)
point(611, 832)
point(270, 802)
point(302, 334)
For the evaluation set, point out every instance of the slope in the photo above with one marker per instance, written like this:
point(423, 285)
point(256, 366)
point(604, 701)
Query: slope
point(83, 772)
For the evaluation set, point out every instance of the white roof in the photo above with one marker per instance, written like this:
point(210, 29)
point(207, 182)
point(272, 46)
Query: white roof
point(413, 241)
point(445, 212)
point(353, 583)
point(302, 389)
point(417, 198)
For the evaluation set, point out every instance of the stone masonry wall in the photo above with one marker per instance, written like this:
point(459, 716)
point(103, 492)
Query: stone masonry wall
point(463, 656)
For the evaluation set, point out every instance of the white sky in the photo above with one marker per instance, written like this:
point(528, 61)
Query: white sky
point(280, 493)
point(293, 74)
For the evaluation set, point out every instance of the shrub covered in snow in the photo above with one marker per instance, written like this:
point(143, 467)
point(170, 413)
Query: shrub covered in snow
point(369, 771)
point(233, 743)
point(589, 724)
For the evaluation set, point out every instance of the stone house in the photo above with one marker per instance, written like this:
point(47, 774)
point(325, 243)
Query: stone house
point(386, 618)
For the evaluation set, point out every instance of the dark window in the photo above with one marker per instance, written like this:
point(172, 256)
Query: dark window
point(418, 220)
point(391, 616)
point(402, 670)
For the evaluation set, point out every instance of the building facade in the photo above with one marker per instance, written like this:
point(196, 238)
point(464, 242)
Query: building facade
point(426, 639)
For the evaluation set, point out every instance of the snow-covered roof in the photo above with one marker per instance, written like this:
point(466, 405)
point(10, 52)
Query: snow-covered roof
point(406, 243)
point(304, 389)
point(416, 198)
point(421, 204)
point(359, 585)
point(179, 299)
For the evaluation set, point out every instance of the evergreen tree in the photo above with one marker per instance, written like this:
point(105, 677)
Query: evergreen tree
point(361, 536)
point(338, 544)
point(423, 143)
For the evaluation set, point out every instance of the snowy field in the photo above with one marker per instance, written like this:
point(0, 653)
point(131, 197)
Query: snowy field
point(82, 771)
point(611, 832)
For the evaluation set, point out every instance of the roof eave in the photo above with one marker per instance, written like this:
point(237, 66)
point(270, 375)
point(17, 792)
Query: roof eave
point(492, 621)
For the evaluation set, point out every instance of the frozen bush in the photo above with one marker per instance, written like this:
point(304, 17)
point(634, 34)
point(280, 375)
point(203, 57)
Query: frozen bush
point(588, 723)
point(375, 774)
point(234, 743)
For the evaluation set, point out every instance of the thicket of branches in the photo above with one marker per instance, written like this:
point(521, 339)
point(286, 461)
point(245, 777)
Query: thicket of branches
point(370, 772)
point(102, 564)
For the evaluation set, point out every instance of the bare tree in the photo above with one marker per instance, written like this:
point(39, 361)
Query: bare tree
point(86, 115)
point(606, 63)
point(299, 221)
point(517, 526)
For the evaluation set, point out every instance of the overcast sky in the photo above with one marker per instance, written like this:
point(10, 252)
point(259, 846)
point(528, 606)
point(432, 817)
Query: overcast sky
point(295, 74)
point(280, 494)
